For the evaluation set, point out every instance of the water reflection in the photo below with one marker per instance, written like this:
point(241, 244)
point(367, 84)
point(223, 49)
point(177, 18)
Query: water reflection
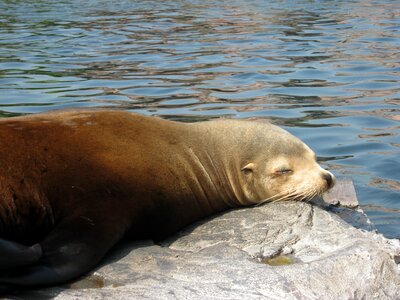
point(328, 71)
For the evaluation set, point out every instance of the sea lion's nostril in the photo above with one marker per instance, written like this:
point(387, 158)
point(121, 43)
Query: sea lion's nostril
point(329, 179)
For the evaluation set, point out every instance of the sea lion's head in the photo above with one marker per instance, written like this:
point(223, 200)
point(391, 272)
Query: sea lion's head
point(283, 168)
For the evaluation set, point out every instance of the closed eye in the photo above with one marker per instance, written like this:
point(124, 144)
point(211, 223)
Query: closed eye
point(283, 171)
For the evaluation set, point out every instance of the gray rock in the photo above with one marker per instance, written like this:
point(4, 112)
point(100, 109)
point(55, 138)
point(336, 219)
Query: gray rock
point(319, 256)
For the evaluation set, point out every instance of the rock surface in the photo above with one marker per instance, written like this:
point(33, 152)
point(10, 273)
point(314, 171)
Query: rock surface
point(226, 257)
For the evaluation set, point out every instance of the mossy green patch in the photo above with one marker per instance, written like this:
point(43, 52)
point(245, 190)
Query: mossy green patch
point(280, 260)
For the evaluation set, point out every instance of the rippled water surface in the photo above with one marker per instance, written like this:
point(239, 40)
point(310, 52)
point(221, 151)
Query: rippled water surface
point(328, 71)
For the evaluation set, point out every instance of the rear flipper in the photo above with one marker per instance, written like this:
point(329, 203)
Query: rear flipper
point(72, 249)
point(13, 255)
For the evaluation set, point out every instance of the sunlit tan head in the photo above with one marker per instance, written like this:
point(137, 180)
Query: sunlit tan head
point(292, 174)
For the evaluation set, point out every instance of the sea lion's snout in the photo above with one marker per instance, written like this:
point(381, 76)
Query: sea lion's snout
point(329, 178)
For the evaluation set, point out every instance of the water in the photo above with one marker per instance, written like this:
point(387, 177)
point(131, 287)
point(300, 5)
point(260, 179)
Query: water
point(328, 71)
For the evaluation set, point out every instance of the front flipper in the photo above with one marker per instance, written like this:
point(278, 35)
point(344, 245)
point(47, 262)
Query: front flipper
point(13, 255)
point(72, 249)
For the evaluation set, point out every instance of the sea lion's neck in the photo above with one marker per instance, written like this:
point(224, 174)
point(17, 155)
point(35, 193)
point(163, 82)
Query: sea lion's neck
point(219, 166)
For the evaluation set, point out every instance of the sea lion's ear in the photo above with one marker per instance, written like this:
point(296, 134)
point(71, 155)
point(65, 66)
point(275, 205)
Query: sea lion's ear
point(249, 168)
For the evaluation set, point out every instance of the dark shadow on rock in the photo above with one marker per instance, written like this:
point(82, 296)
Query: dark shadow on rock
point(353, 216)
point(189, 228)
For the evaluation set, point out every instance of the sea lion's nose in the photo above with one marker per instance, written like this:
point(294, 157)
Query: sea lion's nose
point(330, 179)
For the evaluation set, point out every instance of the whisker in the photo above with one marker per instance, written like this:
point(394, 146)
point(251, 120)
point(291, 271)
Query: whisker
point(278, 197)
point(270, 198)
point(303, 193)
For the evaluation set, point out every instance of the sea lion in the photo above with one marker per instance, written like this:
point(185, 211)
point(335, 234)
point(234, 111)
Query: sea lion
point(73, 183)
